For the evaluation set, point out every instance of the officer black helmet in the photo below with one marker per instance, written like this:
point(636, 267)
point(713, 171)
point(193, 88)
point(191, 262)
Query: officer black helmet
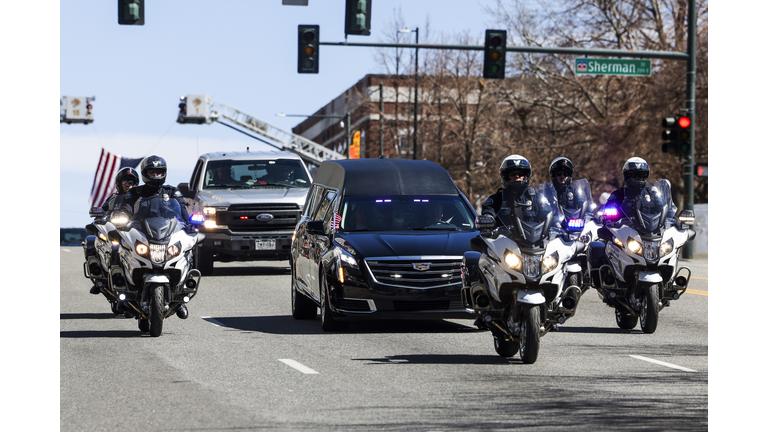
point(154, 164)
point(126, 174)
point(512, 165)
point(636, 173)
point(561, 165)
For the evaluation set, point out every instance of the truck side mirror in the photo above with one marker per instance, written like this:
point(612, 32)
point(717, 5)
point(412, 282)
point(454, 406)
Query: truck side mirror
point(185, 192)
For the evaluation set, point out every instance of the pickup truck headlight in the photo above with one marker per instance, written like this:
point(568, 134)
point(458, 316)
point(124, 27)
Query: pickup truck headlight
point(210, 217)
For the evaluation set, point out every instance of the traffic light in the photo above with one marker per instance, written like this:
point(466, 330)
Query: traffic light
point(669, 135)
point(684, 135)
point(309, 48)
point(357, 17)
point(130, 12)
point(701, 170)
point(495, 54)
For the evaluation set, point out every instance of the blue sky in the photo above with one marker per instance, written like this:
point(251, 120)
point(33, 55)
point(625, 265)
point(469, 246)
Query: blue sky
point(242, 53)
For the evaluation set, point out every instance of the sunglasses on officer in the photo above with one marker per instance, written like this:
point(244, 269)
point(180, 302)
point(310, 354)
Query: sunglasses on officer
point(562, 173)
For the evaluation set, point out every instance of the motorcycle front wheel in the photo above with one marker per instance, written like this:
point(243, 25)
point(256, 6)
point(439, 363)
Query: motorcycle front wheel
point(505, 348)
point(529, 334)
point(625, 320)
point(649, 314)
point(156, 310)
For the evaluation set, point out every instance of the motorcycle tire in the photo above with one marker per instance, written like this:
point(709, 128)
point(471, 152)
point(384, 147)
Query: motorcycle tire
point(649, 313)
point(505, 348)
point(327, 323)
point(625, 320)
point(113, 305)
point(529, 334)
point(144, 325)
point(302, 307)
point(203, 261)
point(156, 310)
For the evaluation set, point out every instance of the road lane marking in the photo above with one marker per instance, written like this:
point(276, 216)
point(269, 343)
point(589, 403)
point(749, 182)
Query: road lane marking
point(693, 291)
point(699, 277)
point(66, 250)
point(673, 366)
point(213, 321)
point(298, 366)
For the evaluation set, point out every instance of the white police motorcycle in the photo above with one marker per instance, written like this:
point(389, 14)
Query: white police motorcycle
point(515, 279)
point(577, 218)
point(154, 275)
point(638, 272)
point(100, 255)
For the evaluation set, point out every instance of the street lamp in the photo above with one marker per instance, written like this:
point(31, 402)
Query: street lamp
point(345, 123)
point(415, 92)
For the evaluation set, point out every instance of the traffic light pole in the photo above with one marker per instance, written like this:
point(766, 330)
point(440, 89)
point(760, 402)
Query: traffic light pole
point(690, 104)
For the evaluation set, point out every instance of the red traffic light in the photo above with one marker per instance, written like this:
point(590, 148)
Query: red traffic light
point(684, 122)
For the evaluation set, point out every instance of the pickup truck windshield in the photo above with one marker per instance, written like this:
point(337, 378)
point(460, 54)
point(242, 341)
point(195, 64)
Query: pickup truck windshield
point(255, 173)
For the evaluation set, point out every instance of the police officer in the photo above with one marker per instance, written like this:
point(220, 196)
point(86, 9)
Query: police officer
point(153, 172)
point(125, 179)
point(636, 173)
point(515, 195)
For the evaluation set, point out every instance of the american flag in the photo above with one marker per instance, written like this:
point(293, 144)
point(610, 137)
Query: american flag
point(104, 179)
point(336, 221)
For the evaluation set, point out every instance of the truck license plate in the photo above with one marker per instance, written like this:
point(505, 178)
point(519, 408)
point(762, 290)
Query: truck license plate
point(265, 245)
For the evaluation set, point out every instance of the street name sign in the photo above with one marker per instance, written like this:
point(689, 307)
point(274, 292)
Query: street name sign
point(595, 66)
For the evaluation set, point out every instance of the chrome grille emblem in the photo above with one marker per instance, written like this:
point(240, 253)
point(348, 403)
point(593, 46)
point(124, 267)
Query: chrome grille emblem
point(264, 217)
point(421, 266)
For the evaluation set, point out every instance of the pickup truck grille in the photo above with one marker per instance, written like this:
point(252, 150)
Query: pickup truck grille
point(415, 274)
point(243, 217)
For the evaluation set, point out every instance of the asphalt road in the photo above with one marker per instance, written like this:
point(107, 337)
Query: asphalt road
point(241, 362)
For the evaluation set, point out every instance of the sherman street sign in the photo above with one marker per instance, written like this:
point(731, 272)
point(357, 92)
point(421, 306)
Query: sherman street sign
point(595, 66)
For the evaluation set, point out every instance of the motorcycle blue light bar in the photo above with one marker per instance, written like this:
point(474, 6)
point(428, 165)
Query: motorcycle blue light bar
point(611, 212)
point(575, 223)
point(197, 218)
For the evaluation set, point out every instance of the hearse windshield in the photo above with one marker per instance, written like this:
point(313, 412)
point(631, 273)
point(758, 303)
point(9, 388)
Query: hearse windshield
point(404, 212)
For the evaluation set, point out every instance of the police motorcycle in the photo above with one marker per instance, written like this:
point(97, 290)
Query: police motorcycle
point(637, 271)
point(101, 255)
point(577, 218)
point(154, 276)
point(515, 278)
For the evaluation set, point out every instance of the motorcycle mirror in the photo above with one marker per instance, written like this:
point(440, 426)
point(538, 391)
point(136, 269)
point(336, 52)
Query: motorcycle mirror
point(96, 212)
point(686, 217)
point(485, 222)
point(90, 229)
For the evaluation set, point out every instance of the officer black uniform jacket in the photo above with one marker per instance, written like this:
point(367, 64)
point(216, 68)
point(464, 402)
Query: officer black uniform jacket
point(530, 206)
point(146, 191)
point(617, 198)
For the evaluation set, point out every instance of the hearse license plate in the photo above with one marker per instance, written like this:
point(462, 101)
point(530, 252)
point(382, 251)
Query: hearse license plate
point(265, 245)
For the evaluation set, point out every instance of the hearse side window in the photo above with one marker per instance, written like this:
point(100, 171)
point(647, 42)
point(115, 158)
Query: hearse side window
point(325, 205)
point(313, 201)
point(329, 215)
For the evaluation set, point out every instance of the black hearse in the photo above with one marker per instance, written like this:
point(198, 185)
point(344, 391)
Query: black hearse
point(380, 238)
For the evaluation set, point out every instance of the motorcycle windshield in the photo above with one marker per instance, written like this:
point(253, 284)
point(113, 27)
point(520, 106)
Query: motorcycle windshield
point(529, 222)
point(157, 216)
point(648, 209)
point(574, 203)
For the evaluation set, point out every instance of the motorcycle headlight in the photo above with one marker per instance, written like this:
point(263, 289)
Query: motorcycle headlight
point(157, 252)
point(512, 261)
point(549, 263)
point(103, 237)
point(119, 218)
point(142, 249)
point(174, 249)
point(618, 242)
point(634, 246)
point(666, 248)
point(586, 238)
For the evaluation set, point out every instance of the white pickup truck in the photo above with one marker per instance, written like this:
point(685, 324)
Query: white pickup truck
point(251, 202)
